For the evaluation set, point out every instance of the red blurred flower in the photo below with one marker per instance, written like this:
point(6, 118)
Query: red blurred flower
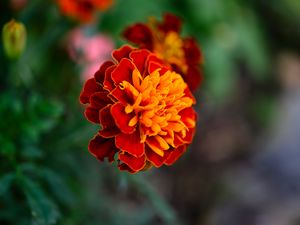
point(144, 109)
point(163, 38)
point(83, 10)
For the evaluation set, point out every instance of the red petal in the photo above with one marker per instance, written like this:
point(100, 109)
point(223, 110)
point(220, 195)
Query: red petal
point(109, 128)
point(90, 87)
point(102, 147)
point(192, 52)
point(139, 58)
point(154, 66)
point(130, 143)
point(139, 34)
point(99, 100)
point(122, 118)
point(122, 52)
point(187, 116)
point(193, 77)
point(154, 63)
point(100, 74)
point(92, 114)
point(108, 83)
point(123, 71)
point(124, 167)
point(179, 139)
point(175, 155)
point(135, 163)
point(123, 96)
point(189, 135)
point(170, 23)
point(189, 94)
point(154, 158)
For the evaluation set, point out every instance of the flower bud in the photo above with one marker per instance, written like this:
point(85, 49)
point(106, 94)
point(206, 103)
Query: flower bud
point(14, 39)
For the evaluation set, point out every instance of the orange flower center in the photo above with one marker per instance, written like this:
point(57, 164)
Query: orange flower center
point(170, 48)
point(157, 101)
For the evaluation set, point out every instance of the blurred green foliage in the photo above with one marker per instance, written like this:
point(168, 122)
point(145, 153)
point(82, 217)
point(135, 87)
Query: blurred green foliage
point(46, 174)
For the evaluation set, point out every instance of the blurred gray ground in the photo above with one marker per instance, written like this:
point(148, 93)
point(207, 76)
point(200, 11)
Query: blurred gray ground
point(267, 191)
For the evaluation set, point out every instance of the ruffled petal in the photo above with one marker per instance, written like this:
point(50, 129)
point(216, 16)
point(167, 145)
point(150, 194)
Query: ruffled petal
point(90, 87)
point(188, 117)
point(125, 167)
point(100, 74)
point(139, 58)
point(193, 77)
point(139, 34)
point(102, 148)
point(170, 23)
point(175, 155)
point(108, 82)
point(122, 118)
point(109, 128)
point(92, 114)
point(154, 158)
point(192, 52)
point(135, 163)
point(123, 96)
point(123, 71)
point(99, 100)
point(130, 143)
point(122, 52)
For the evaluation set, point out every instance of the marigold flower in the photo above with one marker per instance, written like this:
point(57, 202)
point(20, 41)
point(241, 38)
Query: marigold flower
point(163, 38)
point(144, 109)
point(83, 10)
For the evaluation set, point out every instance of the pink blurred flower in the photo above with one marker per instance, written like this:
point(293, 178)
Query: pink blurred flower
point(89, 51)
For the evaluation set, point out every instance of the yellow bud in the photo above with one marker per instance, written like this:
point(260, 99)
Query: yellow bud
point(14, 39)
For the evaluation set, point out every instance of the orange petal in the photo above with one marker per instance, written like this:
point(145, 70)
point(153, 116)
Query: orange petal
point(130, 143)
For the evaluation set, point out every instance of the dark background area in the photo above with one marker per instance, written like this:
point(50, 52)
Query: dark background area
point(243, 165)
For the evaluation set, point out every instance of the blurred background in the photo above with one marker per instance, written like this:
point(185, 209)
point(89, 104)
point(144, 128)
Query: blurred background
point(243, 167)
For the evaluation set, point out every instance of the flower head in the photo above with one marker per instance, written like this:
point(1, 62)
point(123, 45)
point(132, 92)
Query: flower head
point(164, 40)
point(83, 10)
point(144, 109)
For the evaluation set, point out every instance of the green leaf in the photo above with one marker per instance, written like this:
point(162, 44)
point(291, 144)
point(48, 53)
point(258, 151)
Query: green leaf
point(58, 186)
point(43, 210)
point(5, 182)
